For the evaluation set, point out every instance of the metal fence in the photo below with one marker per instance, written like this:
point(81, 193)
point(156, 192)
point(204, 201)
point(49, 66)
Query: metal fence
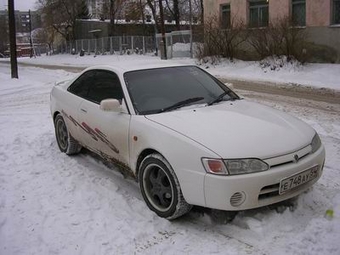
point(179, 44)
point(110, 45)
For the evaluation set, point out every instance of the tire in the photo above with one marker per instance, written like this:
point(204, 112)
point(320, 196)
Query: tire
point(160, 188)
point(66, 142)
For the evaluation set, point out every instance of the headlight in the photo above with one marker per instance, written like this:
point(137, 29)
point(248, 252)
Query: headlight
point(234, 166)
point(245, 166)
point(316, 143)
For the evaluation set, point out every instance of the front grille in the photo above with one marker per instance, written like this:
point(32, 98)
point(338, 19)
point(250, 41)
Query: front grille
point(288, 158)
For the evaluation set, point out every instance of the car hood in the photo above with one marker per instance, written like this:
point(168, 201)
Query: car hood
point(239, 129)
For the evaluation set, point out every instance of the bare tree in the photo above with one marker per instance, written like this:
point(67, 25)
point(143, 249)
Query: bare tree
point(115, 8)
point(153, 6)
point(173, 7)
point(142, 5)
point(198, 9)
point(62, 15)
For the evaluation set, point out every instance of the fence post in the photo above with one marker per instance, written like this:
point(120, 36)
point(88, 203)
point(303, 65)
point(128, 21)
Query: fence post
point(120, 45)
point(143, 45)
point(111, 46)
point(132, 46)
point(88, 46)
point(95, 47)
point(102, 45)
point(172, 49)
point(82, 44)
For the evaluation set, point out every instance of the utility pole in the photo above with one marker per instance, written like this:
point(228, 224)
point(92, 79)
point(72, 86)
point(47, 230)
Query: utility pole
point(32, 53)
point(12, 39)
point(161, 12)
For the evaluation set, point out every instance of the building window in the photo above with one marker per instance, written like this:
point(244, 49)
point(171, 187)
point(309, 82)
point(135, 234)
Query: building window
point(258, 13)
point(299, 12)
point(225, 16)
point(336, 12)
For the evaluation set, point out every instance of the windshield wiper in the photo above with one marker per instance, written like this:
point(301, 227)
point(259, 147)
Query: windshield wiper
point(219, 98)
point(181, 104)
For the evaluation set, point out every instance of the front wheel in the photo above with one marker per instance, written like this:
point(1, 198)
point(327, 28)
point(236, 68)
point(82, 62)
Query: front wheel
point(160, 188)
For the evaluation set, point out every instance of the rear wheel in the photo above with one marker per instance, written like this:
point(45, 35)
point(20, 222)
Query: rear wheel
point(160, 188)
point(66, 142)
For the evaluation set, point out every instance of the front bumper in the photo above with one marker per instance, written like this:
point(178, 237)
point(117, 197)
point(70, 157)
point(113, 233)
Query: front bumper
point(258, 189)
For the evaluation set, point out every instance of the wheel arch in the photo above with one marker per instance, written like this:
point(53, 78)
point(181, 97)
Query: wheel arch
point(143, 155)
point(55, 115)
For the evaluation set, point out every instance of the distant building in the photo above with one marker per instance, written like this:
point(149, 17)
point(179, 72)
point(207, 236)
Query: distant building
point(320, 18)
point(22, 26)
point(22, 20)
point(95, 8)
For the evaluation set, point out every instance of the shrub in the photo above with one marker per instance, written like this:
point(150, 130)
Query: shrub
point(221, 42)
point(280, 38)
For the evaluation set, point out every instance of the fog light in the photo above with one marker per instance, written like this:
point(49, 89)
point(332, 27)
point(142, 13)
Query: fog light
point(237, 199)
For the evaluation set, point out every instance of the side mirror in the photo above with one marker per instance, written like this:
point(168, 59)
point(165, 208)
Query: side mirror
point(110, 105)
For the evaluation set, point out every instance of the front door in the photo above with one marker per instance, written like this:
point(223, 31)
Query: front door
point(106, 133)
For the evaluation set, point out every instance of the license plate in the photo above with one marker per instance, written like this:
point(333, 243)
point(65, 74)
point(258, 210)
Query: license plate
point(296, 180)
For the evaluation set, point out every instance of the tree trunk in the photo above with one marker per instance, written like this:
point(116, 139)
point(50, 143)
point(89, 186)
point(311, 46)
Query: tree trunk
point(112, 18)
point(154, 14)
point(143, 16)
point(161, 12)
point(202, 12)
point(177, 14)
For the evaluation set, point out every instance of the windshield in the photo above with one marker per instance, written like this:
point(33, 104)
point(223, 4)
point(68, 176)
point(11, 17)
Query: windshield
point(163, 89)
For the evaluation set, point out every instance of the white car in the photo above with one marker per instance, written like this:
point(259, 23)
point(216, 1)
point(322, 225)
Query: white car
point(186, 137)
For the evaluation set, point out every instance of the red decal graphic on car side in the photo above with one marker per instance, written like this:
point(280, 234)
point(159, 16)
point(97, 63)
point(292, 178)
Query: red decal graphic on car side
point(94, 133)
point(103, 138)
point(90, 131)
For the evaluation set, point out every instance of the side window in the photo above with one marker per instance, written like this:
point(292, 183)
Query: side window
point(106, 85)
point(81, 86)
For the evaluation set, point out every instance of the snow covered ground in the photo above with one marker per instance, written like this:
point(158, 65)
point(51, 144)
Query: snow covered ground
point(51, 203)
point(315, 75)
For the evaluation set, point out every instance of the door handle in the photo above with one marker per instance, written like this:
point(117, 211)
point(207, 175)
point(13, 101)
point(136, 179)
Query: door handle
point(83, 110)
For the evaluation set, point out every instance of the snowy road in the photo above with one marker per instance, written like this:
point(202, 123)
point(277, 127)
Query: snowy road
point(54, 204)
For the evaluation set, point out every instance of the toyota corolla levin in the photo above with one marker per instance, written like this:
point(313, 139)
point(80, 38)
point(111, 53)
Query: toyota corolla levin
point(186, 137)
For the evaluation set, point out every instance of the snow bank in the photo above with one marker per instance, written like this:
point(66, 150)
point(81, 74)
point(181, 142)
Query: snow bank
point(315, 75)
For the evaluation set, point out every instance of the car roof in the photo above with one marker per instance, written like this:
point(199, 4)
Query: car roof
point(127, 67)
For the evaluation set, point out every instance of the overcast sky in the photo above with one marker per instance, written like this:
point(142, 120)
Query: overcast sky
point(22, 5)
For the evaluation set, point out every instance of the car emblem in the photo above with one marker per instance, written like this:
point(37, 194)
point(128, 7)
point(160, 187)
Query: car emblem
point(296, 158)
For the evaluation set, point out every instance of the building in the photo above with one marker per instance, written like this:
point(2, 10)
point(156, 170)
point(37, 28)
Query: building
point(320, 18)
